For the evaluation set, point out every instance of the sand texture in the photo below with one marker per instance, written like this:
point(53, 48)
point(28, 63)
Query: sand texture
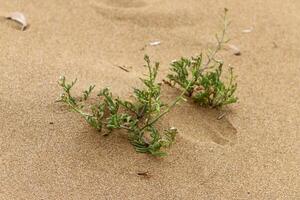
point(47, 152)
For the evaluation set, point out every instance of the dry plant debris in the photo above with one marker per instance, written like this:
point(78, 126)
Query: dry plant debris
point(144, 174)
point(155, 43)
point(18, 17)
point(124, 68)
point(236, 51)
point(248, 30)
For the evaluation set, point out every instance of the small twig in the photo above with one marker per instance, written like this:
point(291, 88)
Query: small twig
point(123, 68)
point(144, 174)
point(221, 116)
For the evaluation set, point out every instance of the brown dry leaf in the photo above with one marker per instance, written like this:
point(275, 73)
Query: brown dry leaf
point(144, 174)
point(18, 17)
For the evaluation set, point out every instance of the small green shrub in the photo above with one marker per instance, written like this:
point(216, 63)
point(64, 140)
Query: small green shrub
point(138, 117)
point(202, 79)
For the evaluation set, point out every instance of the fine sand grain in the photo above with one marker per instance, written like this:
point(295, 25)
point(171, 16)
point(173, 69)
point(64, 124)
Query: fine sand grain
point(47, 152)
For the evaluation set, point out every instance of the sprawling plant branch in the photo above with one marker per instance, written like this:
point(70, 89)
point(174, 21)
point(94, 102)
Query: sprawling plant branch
point(201, 79)
point(138, 117)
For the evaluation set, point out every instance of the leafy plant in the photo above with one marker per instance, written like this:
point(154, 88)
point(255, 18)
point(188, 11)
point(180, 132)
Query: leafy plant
point(201, 79)
point(138, 117)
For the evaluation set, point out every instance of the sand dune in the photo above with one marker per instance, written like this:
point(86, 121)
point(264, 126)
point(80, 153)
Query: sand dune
point(252, 153)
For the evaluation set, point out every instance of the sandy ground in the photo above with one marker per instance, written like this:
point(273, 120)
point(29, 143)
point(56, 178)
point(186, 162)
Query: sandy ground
point(253, 153)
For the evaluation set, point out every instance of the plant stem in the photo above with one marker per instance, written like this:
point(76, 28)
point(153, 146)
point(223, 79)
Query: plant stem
point(168, 109)
point(220, 42)
point(77, 110)
point(126, 128)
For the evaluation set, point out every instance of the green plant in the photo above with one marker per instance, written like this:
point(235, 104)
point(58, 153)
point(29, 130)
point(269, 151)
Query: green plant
point(201, 79)
point(138, 117)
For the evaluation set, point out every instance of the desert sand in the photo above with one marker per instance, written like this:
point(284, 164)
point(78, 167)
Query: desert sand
point(47, 152)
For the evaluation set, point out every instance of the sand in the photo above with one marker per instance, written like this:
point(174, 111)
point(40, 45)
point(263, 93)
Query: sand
point(47, 152)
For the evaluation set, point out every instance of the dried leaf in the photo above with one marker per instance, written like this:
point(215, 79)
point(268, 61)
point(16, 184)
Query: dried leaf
point(249, 30)
point(145, 174)
point(18, 17)
point(235, 49)
point(155, 43)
